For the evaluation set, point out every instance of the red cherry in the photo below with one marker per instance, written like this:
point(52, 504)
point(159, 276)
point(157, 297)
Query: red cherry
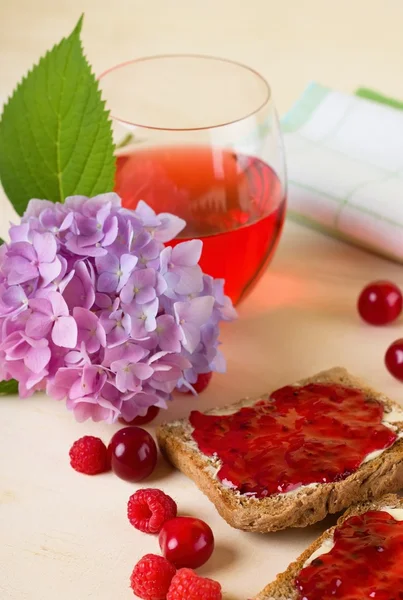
point(133, 454)
point(186, 542)
point(380, 302)
point(150, 415)
point(394, 359)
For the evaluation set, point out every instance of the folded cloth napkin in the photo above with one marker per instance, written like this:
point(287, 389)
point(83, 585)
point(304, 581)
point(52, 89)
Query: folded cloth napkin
point(345, 167)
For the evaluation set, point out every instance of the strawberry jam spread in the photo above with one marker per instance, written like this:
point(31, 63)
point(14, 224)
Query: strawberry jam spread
point(312, 434)
point(365, 562)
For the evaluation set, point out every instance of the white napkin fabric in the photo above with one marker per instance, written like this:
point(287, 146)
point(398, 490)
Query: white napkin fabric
point(345, 168)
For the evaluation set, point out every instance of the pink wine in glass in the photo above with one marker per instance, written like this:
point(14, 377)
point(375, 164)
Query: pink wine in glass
point(234, 203)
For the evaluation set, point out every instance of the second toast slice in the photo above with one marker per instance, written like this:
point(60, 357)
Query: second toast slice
point(285, 587)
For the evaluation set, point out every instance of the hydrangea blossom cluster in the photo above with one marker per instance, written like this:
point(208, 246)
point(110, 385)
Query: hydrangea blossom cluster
point(95, 308)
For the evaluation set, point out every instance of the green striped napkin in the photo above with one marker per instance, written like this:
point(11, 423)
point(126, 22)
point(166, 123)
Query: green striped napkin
point(377, 97)
point(345, 166)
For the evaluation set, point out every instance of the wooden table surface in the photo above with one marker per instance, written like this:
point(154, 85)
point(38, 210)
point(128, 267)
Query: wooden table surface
point(66, 536)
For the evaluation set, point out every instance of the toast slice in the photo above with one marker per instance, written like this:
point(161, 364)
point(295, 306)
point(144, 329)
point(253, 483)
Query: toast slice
point(283, 588)
point(305, 505)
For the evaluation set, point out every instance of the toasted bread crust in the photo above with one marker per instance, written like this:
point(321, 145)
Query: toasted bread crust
point(283, 586)
point(308, 505)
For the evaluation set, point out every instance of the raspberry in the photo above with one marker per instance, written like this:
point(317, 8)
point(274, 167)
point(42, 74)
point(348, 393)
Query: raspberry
point(186, 585)
point(148, 509)
point(152, 577)
point(89, 455)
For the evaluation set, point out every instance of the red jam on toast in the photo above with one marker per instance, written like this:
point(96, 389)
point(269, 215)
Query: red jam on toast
point(366, 561)
point(317, 433)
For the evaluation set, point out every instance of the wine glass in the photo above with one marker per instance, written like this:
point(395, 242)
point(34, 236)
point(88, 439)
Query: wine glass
point(199, 137)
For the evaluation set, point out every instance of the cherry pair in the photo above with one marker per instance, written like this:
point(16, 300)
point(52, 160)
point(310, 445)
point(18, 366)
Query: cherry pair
point(381, 303)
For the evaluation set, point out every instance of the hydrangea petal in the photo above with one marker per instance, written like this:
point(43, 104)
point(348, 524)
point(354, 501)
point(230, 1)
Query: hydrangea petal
point(143, 371)
point(45, 246)
point(107, 282)
point(58, 303)
point(19, 233)
point(38, 325)
point(64, 332)
point(170, 226)
point(109, 263)
point(187, 254)
point(190, 280)
point(50, 271)
point(14, 297)
point(20, 270)
point(36, 359)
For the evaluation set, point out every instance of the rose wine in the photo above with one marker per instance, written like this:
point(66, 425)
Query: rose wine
point(234, 203)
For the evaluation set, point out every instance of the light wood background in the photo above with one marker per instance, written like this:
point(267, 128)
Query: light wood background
point(66, 536)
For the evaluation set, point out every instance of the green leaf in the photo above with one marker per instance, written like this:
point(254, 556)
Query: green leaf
point(1, 241)
point(55, 134)
point(8, 387)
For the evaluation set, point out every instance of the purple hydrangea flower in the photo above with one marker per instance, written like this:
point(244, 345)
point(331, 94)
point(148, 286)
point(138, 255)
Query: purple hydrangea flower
point(50, 314)
point(143, 318)
point(140, 287)
point(117, 326)
point(136, 404)
point(35, 354)
point(130, 372)
point(28, 261)
point(80, 290)
point(168, 369)
point(168, 334)
point(149, 255)
point(90, 331)
point(191, 316)
point(95, 226)
point(94, 307)
point(13, 300)
point(114, 271)
point(180, 268)
point(163, 227)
